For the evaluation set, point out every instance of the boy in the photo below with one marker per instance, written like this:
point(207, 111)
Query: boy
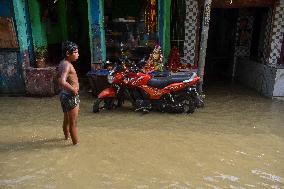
point(69, 97)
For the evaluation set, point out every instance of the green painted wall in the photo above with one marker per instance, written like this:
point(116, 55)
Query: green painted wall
point(164, 11)
point(19, 10)
point(57, 31)
point(38, 28)
point(78, 31)
point(62, 20)
point(48, 32)
point(167, 25)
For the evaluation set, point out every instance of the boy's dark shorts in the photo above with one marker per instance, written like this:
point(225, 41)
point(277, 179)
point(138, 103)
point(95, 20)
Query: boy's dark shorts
point(68, 101)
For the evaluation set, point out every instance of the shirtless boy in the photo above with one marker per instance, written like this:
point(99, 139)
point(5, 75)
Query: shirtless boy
point(69, 97)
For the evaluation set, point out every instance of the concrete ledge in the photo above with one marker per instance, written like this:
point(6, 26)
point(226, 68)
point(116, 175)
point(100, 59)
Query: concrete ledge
point(41, 81)
point(279, 84)
point(256, 75)
point(278, 98)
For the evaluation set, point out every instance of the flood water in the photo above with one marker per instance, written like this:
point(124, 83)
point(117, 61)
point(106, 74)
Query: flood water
point(236, 141)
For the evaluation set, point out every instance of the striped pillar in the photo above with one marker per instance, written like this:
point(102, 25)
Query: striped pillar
point(277, 33)
point(190, 26)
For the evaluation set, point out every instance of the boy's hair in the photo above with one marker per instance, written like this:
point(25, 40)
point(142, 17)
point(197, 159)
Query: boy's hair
point(68, 47)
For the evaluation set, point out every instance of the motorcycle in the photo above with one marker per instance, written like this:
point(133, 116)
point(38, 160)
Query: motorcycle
point(175, 94)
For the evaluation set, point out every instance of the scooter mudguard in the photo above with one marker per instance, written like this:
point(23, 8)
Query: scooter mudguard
point(107, 93)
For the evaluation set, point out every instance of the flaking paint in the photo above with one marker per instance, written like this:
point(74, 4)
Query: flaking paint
point(96, 29)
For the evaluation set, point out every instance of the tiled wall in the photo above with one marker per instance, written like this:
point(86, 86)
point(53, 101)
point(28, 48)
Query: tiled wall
point(190, 31)
point(244, 49)
point(277, 34)
point(241, 49)
point(279, 84)
point(265, 53)
point(257, 76)
point(265, 78)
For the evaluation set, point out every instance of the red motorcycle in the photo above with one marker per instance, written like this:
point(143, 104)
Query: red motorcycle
point(175, 94)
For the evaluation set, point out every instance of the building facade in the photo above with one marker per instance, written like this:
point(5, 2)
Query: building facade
point(235, 39)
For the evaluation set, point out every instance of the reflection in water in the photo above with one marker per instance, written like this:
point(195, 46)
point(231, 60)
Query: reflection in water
point(236, 141)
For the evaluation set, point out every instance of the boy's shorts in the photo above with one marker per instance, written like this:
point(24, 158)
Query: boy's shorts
point(68, 101)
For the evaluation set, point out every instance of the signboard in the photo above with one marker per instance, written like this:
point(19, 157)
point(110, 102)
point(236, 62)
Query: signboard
point(8, 39)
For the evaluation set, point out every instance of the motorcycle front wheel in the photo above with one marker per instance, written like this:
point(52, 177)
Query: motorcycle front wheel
point(108, 103)
point(102, 104)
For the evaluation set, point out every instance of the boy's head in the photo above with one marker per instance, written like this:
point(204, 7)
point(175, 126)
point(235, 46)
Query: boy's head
point(69, 48)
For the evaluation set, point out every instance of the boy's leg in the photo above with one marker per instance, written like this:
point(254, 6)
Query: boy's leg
point(65, 126)
point(73, 116)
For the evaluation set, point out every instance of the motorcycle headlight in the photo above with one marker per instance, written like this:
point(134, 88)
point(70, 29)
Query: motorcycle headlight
point(110, 78)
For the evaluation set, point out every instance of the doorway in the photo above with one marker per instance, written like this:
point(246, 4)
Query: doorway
point(125, 23)
point(281, 60)
point(177, 19)
point(220, 49)
point(78, 32)
point(66, 20)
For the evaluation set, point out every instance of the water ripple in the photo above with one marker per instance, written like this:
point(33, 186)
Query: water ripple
point(16, 180)
point(268, 176)
point(227, 177)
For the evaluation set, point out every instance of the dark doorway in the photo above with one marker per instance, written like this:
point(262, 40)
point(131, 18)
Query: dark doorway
point(220, 49)
point(78, 32)
point(258, 34)
point(281, 60)
point(125, 24)
point(67, 20)
point(178, 13)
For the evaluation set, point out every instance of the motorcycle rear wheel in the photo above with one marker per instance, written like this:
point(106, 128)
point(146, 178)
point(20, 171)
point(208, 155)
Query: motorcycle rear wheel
point(199, 101)
point(188, 105)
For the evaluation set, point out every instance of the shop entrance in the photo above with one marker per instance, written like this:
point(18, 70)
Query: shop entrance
point(125, 24)
point(234, 33)
point(220, 49)
point(78, 31)
point(66, 20)
point(177, 19)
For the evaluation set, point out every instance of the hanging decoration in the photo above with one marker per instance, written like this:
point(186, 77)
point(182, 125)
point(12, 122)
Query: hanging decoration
point(151, 16)
point(174, 60)
point(155, 61)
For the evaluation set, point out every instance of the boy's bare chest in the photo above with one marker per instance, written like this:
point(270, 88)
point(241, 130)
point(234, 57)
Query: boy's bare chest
point(72, 75)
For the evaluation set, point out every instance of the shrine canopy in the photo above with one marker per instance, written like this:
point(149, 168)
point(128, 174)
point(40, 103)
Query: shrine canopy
point(241, 3)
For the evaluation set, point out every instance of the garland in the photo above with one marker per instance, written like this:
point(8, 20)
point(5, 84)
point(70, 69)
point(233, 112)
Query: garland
point(174, 60)
point(151, 16)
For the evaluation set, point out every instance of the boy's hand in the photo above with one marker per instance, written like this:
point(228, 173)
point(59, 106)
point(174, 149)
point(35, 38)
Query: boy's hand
point(76, 90)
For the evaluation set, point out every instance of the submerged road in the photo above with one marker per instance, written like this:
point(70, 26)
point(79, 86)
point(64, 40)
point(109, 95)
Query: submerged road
point(235, 141)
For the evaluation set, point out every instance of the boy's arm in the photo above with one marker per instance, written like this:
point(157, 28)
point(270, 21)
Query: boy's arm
point(63, 79)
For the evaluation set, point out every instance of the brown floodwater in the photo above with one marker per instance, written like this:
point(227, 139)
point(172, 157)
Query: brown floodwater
point(235, 141)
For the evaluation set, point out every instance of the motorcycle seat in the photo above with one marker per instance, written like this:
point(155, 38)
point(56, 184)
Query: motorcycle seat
point(165, 81)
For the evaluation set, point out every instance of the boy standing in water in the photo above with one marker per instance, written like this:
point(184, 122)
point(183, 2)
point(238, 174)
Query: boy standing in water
point(69, 97)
